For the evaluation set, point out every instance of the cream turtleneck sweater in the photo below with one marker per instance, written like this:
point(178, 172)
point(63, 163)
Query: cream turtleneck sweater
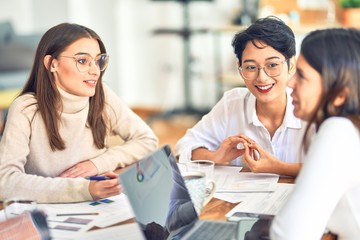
point(30, 169)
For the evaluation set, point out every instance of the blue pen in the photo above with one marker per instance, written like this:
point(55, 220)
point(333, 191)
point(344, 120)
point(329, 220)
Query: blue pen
point(97, 178)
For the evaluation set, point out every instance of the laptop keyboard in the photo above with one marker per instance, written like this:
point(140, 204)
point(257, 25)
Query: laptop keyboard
point(214, 230)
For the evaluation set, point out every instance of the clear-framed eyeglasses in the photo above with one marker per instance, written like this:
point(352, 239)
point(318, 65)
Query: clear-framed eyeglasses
point(250, 71)
point(83, 61)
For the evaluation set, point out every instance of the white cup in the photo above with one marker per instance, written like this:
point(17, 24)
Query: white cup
point(200, 188)
point(205, 166)
point(16, 207)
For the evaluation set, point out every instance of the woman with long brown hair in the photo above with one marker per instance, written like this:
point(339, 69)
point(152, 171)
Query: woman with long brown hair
point(57, 131)
point(326, 93)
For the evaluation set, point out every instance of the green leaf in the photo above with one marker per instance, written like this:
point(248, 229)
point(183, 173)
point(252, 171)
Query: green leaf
point(350, 3)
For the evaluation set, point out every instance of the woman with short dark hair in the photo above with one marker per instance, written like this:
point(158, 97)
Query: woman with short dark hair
point(261, 112)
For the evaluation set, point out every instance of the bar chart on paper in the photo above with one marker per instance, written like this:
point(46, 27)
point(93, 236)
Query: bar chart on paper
point(74, 219)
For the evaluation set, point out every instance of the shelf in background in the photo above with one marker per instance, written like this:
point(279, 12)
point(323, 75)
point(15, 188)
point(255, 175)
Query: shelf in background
point(297, 28)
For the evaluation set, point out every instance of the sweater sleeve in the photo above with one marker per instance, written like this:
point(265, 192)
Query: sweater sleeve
point(139, 139)
point(14, 149)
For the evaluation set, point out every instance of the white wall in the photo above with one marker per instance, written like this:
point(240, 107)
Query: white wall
point(144, 69)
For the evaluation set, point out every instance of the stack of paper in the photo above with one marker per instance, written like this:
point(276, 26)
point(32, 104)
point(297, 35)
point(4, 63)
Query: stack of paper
point(264, 203)
point(245, 182)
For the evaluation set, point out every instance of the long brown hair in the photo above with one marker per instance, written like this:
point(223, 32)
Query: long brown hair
point(335, 55)
point(41, 83)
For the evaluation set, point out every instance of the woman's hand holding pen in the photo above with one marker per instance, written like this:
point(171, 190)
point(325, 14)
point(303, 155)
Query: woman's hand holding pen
point(105, 188)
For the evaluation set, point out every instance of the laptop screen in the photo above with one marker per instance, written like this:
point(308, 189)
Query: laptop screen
point(158, 196)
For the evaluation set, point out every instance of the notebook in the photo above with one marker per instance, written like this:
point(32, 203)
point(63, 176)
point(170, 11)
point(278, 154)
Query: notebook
point(161, 202)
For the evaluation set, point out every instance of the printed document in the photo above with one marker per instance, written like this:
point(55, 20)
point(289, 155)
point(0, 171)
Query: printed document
point(71, 219)
point(245, 182)
point(264, 203)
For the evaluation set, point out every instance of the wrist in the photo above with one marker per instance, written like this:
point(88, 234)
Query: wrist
point(203, 154)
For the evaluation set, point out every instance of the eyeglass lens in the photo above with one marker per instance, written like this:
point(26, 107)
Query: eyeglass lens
point(251, 71)
point(83, 62)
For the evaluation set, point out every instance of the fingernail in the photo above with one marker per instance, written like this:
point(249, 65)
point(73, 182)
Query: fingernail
point(240, 146)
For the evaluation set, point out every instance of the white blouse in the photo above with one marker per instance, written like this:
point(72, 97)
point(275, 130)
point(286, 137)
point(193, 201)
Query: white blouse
point(236, 113)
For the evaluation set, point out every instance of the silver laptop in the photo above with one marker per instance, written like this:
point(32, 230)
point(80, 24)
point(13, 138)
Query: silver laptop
point(162, 204)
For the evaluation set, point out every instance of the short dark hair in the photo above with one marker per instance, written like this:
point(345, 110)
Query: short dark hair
point(270, 30)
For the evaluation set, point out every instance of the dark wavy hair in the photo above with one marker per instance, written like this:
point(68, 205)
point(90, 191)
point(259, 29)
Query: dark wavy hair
point(270, 30)
point(42, 85)
point(335, 54)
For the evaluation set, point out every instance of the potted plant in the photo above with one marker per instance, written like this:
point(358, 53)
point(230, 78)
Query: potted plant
point(350, 13)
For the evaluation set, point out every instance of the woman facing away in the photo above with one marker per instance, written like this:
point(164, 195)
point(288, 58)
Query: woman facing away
point(57, 131)
point(326, 92)
point(261, 112)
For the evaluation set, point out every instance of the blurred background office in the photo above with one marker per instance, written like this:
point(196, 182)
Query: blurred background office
point(164, 54)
